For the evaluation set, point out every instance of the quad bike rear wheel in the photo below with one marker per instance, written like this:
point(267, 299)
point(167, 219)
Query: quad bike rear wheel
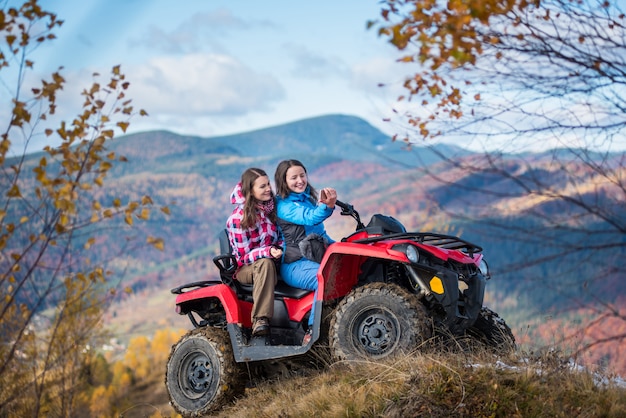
point(378, 320)
point(201, 372)
point(493, 331)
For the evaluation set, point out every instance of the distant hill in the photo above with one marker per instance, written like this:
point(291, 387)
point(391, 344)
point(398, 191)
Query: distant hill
point(321, 138)
point(194, 176)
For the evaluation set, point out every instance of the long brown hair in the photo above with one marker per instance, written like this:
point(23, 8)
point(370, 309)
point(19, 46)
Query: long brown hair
point(250, 210)
point(280, 178)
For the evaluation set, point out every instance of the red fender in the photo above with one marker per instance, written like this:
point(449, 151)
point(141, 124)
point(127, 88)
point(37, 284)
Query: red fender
point(237, 312)
point(338, 272)
point(297, 308)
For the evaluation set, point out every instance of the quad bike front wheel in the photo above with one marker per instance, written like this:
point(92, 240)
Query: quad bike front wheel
point(493, 331)
point(201, 372)
point(378, 320)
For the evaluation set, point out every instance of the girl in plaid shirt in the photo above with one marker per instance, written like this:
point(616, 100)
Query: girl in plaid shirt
point(256, 243)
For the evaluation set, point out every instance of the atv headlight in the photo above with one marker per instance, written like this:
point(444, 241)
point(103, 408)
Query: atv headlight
point(412, 254)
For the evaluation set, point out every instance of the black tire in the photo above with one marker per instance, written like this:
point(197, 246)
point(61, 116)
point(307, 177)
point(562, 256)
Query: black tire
point(201, 373)
point(376, 321)
point(493, 331)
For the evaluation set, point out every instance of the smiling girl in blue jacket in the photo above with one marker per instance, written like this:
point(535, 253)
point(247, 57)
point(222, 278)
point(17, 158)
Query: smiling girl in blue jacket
point(300, 214)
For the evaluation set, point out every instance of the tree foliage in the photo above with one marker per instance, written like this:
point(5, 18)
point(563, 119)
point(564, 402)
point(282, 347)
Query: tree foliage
point(51, 291)
point(508, 68)
point(513, 75)
point(121, 385)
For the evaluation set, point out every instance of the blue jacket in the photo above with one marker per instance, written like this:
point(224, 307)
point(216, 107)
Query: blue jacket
point(297, 209)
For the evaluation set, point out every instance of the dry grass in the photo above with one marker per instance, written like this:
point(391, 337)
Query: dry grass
point(434, 382)
point(436, 385)
point(339, 392)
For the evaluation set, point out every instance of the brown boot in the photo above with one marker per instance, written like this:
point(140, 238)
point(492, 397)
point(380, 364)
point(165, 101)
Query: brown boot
point(261, 326)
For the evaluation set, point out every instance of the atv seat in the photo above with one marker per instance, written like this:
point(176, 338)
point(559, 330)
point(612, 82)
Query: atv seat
point(227, 265)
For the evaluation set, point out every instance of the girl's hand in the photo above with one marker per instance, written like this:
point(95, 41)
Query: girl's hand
point(328, 195)
point(276, 252)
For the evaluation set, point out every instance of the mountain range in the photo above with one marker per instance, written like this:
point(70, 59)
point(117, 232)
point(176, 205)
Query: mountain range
point(441, 188)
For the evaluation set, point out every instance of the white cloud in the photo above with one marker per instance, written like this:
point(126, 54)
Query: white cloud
point(200, 32)
point(313, 65)
point(202, 84)
point(377, 70)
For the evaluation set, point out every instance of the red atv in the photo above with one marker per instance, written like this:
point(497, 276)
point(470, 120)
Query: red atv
point(390, 291)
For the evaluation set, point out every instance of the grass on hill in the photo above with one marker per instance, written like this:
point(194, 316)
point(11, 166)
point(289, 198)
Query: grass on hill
point(433, 382)
point(436, 385)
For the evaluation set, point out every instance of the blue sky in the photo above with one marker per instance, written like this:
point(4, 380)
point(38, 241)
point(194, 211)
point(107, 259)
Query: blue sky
point(217, 67)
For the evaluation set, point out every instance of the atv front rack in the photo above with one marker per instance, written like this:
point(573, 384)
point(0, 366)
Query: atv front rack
point(449, 242)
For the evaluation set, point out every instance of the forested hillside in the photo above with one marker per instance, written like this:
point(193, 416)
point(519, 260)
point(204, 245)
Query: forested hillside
point(426, 188)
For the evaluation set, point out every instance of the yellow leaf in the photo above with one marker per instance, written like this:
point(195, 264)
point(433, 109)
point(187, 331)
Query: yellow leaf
point(128, 219)
point(123, 126)
point(23, 219)
point(145, 214)
point(156, 243)
point(165, 210)
point(14, 191)
point(89, 243)
point(146, 200)
point(99, 141)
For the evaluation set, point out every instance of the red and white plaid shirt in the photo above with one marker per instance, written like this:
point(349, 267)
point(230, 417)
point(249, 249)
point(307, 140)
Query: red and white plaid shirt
point(253, 243)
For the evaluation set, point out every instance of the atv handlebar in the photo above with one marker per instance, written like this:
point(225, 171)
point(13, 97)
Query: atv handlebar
point(348, 210)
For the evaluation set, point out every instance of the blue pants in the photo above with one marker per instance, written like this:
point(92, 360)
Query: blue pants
point(303, 275)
